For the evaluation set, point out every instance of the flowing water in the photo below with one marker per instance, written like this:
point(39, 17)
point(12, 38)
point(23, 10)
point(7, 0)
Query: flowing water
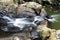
point(20, 23)
point(56, 14)
point(56, 23)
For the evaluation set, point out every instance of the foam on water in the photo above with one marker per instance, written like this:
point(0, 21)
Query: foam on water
point(54, 18)
point(55, 15)
point(8, 18)
point(38, 18)
point(22, 22)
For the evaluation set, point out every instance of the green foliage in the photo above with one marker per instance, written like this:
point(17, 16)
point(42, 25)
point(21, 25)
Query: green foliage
point(15, 1)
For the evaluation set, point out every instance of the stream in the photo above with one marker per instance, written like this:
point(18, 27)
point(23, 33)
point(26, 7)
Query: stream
point(56, 13)
point(56, 23)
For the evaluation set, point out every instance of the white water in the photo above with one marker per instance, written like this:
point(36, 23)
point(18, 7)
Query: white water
point(55, 17)
point(38, 18)
point(52, 20)
point(8, 18)
point(22, 22)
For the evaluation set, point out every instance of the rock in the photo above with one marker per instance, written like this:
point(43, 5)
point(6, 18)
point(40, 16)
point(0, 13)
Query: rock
point(8, 7)
point(43, 13)
point(7, 1)
point(18, 10)
point(29, 9)
point(16, 38)
point(52, 35)
point(25, 12)
point(48, 33)
point(19, 1)
point(58, 34)
point(34, 34)
point(11, 8)
point(33, 5)
point(45, 32)
point(43, 29)
point(26, 9)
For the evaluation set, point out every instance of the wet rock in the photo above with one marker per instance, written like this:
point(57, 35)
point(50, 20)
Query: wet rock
point(43, 13)
point(34, 34)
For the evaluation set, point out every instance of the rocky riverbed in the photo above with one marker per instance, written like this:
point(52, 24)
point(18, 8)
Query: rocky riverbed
point(28, 9)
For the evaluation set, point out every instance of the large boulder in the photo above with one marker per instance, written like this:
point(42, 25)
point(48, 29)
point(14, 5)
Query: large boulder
point(48, 33)
point(33, 5)
point(24, 11)
point(58, 34)
point(6, 1)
